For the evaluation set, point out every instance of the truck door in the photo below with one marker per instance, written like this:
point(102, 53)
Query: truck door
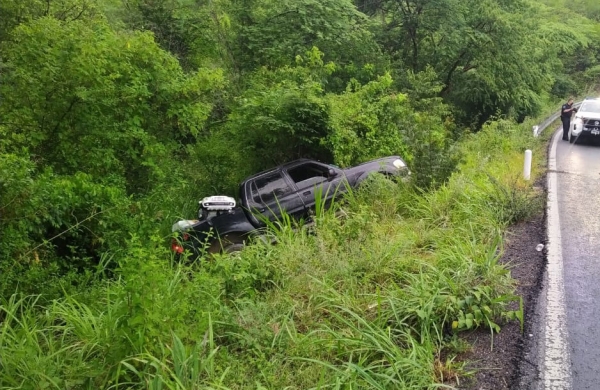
point(313, 180)
point(270, 194)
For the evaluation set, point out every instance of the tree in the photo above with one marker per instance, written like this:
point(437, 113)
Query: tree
point(15, 12)
point(272, 33)
point(481, 51)
point(188, 29)
point(111, 105)
point(373, 120)
point(570, 46)
point(283, 115)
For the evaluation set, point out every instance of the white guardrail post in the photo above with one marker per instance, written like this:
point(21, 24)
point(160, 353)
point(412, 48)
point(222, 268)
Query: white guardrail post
point(527, 165)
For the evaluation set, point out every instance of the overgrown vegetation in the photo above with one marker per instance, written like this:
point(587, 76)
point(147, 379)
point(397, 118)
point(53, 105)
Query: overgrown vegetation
point(116, 116)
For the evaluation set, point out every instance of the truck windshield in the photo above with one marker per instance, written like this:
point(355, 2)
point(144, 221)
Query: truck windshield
point(590, 106)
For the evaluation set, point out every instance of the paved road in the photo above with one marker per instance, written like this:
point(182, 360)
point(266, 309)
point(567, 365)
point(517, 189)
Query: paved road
point(563, 352)
point(578, 190)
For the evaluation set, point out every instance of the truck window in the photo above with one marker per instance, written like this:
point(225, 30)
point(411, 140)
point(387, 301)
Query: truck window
point(307, 175)
point(266, 188)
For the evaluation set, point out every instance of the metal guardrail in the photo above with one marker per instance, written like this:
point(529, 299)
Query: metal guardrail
point(537, 130)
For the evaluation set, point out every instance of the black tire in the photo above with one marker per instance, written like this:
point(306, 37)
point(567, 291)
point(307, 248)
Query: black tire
point(571, 138)
point(227, 244)
point(233, 247)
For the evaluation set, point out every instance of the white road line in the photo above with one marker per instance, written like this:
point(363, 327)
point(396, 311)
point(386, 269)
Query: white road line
point(557, 363)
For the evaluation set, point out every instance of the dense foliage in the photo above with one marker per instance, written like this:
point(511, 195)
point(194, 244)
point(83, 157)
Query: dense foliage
point(117, 115)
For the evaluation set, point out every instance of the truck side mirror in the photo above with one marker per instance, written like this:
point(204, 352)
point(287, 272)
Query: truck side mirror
point(331, 173)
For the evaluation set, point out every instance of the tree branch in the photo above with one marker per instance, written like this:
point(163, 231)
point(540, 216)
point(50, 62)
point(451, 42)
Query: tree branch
point(450, 73)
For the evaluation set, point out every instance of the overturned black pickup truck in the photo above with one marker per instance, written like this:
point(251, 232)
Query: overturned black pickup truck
point(291, 188)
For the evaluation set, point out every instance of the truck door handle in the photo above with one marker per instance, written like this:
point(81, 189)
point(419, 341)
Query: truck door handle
point(306, 193)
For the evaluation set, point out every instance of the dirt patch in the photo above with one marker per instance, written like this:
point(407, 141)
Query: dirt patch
point(497, 365)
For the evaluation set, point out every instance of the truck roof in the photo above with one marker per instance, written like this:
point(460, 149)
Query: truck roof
point(279, 167)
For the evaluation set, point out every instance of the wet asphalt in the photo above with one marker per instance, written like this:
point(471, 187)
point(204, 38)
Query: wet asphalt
point(578, 167)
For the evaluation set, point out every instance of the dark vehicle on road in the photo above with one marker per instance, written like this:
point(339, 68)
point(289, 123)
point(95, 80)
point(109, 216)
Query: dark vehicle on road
point(586, 123)
point(292, 188)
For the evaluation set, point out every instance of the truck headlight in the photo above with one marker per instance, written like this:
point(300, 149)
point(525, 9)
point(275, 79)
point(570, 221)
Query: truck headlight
point(183, 225)
point(399, 163)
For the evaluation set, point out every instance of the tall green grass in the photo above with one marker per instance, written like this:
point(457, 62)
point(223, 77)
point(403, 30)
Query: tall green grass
point(371, 295)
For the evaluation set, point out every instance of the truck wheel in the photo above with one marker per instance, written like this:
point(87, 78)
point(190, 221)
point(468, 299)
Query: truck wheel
point(227, 244)
point(233, 247)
